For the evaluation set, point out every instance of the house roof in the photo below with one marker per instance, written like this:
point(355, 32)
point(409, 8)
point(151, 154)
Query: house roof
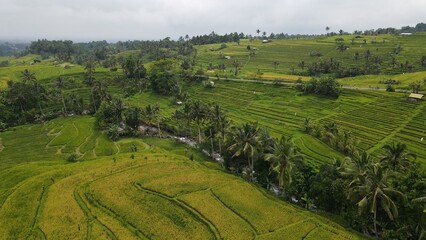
point(416, 96)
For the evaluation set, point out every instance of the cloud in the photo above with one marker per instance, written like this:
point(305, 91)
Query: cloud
point(149, 19)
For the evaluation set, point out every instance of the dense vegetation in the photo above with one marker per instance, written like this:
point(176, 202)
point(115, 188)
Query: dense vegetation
point(317, 145)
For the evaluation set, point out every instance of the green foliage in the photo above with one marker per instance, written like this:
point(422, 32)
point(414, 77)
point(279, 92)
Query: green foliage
point(328, 189)
point(62, 50)
point(284, 157)
point(133, 117)
point(390, 88)
point(113, 132)
point(162, 75)
point(324, 86)
point(72, 158)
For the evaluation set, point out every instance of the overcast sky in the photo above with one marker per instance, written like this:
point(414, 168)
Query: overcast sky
point(148, 19)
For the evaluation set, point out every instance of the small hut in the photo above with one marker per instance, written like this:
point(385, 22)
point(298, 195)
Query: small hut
point(415, 97)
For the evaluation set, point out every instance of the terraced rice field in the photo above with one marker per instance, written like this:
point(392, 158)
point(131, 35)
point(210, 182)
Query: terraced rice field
point(290, 52)
point(375, 118)
point(156, 195)
point(54, 140)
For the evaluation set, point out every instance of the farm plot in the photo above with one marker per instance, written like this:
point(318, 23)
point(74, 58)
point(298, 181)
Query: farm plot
point(373, 122)
point(413, 134)
point(54, 140)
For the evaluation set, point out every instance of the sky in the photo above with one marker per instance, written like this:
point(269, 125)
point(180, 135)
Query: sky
point(112, 20)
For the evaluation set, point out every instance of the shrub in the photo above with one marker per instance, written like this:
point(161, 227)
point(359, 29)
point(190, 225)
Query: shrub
point(72, 158)
point(390, 88)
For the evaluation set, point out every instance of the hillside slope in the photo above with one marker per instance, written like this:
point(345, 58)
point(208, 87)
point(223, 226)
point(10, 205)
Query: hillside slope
point(148, 194)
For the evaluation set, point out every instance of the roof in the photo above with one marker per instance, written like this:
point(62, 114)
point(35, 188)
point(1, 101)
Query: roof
point(416, 96)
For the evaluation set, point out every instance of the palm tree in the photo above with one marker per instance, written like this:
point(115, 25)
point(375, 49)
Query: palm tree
point(224, 126)
point(285, 154)
point(75, 103)
point(118, 107)
point(151, 116)
point(156, 111)
point(199, 114)
point(99, 93)
point(420, 224)
point(372, 191)
point(185, 114)
point(307, 125)
point(246, 142)
point(396, 156)
point(90, 70)
point(236, 65)
point(60, 87)
point(420, 200)
point(220, 123)
point(359, 166)
point(331, 130)
point(90, 80)
point(258, 31)
point(28, 76)
point(346, 143)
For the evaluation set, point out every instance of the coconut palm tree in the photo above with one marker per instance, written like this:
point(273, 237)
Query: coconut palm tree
point(185, 114)
point(28, 77)
point(285, 154)
point(420, 225)
point(346, 143)
point(99, 93)
point(60, 86)
point(90, 80)
point(373, 192)
point(236, 65)
point(220, 122)
point(396, 156)
point(151, 115)
point(118, 107)
point(358, 166)
point(199, 114)
point(331, 129)
point(246, 142)
point(307, 125)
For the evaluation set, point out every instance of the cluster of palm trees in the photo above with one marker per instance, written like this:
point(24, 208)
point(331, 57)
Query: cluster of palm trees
point(247, 142)
point(254, 144)
point(371, 184)
point(330, 133)
point(117, 118)
point(210, 121)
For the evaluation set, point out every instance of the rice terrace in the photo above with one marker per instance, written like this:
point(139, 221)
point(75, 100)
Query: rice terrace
point(256, 135)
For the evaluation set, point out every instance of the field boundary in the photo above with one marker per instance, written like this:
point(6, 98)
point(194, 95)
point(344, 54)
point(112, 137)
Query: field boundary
point(252, 227)
point(194, 212)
